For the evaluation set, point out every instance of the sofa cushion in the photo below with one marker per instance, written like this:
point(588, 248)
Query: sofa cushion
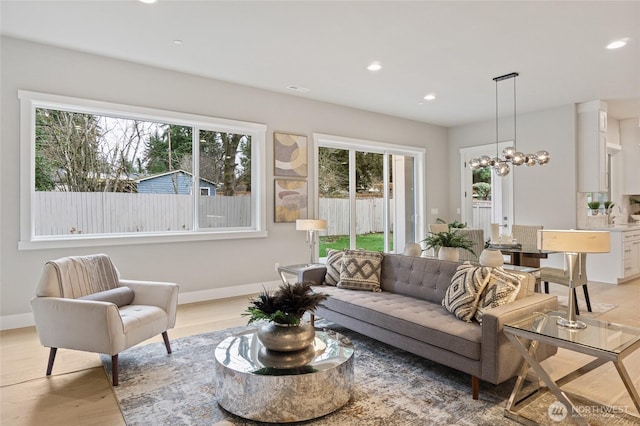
point(119, 296)
point(334, 264)
point(418, 319)
point(503, 287)
point(467, 285)
point(360, 270)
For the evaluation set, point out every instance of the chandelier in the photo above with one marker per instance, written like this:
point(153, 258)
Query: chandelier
point(510, 155)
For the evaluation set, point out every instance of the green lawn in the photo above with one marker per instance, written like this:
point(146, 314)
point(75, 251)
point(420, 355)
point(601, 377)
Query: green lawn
point(371, 242)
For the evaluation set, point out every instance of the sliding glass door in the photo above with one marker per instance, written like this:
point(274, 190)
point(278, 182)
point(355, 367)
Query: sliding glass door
point(367, 193)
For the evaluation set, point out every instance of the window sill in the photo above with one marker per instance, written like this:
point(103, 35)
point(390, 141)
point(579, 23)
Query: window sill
point(43, 243)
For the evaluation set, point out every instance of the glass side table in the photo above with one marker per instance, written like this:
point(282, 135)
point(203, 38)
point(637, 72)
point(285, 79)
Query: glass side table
point(601, 339)
point(302, 271)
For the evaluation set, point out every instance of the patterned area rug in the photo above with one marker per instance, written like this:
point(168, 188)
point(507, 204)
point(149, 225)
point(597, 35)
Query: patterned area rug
point(392, 387)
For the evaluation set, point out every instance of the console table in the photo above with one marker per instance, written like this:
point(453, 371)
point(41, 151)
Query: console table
point(250, 386)
point(601, 339)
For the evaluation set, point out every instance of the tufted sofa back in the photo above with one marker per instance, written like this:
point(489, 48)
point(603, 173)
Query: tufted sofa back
point(418, 277)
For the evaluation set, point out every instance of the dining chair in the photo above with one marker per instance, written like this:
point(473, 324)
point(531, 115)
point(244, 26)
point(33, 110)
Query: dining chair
point(477, 244)
point(560, 276)
point(526, 235)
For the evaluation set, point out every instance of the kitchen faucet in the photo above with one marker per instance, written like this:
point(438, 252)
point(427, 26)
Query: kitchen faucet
point(610, 210)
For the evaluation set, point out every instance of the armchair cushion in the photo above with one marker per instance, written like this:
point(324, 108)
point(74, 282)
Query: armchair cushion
point(120, 296)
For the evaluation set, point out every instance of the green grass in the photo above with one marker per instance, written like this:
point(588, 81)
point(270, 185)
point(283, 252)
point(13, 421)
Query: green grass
point(371, 242)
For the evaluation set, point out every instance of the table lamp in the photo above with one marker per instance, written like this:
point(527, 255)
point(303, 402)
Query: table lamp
point(312, 226)
point(572, 243)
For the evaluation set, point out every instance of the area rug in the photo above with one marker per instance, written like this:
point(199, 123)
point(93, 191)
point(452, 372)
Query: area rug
point(392, 387)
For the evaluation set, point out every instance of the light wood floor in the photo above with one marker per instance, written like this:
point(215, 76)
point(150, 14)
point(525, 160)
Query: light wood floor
point(79, 392)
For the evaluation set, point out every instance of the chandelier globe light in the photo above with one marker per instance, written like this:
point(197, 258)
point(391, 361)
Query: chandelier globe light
point(510, 155)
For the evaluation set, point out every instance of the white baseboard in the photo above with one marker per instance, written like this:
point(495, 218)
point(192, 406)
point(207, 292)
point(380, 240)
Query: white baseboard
point(8, 322)
point(225, 292)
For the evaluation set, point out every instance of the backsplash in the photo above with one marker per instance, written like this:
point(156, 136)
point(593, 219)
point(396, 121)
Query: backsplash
point(620, 213)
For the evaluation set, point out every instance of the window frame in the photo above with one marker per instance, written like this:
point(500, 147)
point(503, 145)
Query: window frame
point(351, 144)
point(29, 101)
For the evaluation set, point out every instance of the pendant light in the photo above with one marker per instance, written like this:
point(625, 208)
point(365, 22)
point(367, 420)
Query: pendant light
point(510, 155)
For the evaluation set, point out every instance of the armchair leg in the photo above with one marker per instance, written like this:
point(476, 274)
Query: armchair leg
point(475, 386)
point(312, 320)
point(165, 336)
point(575, 300)
point(114, 369)
point(546, 287)
point(52, 358)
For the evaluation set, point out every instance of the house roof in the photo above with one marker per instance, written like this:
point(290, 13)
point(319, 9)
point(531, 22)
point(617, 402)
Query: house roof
point(450, 48)
point(172, 173)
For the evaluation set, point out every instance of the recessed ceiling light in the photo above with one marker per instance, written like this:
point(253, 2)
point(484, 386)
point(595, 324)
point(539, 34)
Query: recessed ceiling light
point(147, 1)
point(374, 66)
point(297, 88)
point(617, 44)
point(177, 42)
point(429, 97)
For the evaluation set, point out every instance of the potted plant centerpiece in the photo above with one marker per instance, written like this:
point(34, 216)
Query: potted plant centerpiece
point(448, 243)
point(283, 310)
point(594, 206)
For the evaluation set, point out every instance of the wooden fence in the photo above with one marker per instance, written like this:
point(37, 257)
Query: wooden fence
point(63, 213)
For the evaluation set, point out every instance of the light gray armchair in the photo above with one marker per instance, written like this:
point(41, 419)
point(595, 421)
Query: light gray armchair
point(82, 304)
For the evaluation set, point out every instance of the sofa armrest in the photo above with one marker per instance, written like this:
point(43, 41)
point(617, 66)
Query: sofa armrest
point(500, 360)
point(154, 293)
point(84, 325)
point(314, 275)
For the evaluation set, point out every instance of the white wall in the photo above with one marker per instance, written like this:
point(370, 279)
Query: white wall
point(209, 267)
point(542, 195)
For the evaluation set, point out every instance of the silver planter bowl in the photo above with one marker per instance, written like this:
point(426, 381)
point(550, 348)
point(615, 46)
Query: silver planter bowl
point(286, 338)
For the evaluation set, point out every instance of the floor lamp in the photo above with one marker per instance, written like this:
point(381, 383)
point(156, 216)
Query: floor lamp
point(312, 226)
point(572, 243)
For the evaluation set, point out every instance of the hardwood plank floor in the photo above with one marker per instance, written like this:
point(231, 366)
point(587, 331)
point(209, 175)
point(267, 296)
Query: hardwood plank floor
point(79, 392)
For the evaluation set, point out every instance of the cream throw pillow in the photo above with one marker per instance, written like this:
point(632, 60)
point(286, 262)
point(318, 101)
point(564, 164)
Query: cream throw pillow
point(360, 270)
point(502, 288)
point(463, 295)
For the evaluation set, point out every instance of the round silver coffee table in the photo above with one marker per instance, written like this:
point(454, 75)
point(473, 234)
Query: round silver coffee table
point(248, 386)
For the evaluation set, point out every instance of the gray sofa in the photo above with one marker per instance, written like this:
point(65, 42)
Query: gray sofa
point(408, 314)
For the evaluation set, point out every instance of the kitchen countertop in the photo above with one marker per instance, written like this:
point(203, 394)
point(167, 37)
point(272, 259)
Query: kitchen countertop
point(617, 228)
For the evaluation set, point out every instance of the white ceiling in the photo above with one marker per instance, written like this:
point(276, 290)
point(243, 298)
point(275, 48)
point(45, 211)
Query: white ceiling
point(450, 48)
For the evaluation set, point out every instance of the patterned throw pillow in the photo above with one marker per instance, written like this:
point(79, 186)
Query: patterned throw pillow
point(463, 295)
point(360, 270)
point(502, 288)
point(334, 265)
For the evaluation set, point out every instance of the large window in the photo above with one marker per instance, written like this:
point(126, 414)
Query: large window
point(113, 172)
point(370, 193)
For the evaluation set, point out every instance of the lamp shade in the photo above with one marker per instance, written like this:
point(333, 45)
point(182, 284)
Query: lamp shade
point(311, 224)
point(574, 241)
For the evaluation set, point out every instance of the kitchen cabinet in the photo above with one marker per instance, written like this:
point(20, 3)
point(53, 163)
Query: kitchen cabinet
point(593, 174)
point(630, 141)
point(622, 263)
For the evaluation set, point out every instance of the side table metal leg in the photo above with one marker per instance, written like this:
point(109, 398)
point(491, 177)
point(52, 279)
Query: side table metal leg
point(628, 383)
point(557, 392)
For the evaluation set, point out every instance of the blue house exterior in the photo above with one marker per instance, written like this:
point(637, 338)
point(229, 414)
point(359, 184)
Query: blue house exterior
point(174, 182)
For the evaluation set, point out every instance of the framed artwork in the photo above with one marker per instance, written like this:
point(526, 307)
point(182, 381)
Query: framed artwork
point(290, 155)
point(290, 200)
